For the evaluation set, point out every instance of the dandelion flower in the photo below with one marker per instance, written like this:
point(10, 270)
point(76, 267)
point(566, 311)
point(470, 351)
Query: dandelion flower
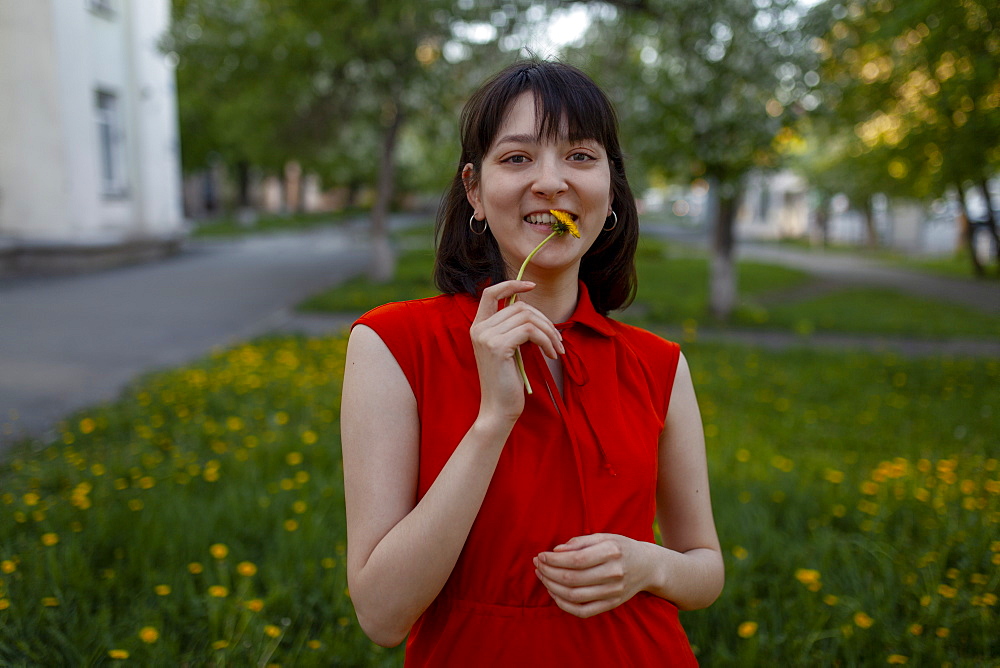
point(220, 644)
point(562, 224)
point(218, 591)
point(8, 566)
point(219, 551)
point(195, 568)
point(246, 569)
point(118, 654)
point(272, 631)
point(50, 539)
point(162, 590)
point(4, 603)
point(747, 629)
point(863, 620)
point(897, 659)
point(255, 605)
point(148, 634)
point(50, 602)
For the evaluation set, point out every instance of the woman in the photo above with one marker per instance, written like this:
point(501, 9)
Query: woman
point(501, 528)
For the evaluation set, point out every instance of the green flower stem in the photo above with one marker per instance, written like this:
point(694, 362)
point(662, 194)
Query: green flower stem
point(524, 265)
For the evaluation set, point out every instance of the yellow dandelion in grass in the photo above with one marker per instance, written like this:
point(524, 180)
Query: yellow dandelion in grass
point(148, 635)
point(4, 603)
point(344, 621)
point(740, 552)
point(87, 425)
point(291, 525)
point(293, 458)
point(834, 476)
point(31, 499)
point(219, 551)
point(50, 602)
point(272, 631)
point(195, 568)
point(162, 590)
point(989, 599)
point(807, 576)
point(218, 591)
point(255, 605)
point(220, 644)
point(328, 562)
point(118, 654)
point(747, 629)
point(8, 566)
point(946, 591)
point(299, 507)
point(942, 632)
point(831, 600)
point(916, 629)
point(50, 539)
point(863, 621)
point(314, 644)
point(246, 569)
point(743, 455)
point(897, 659)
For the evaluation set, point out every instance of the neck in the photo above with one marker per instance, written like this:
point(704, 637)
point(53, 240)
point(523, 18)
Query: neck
point(555, 293)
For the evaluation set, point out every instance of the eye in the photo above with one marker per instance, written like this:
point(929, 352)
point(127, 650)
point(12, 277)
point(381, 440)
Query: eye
point(516, 159)
point(580, 156)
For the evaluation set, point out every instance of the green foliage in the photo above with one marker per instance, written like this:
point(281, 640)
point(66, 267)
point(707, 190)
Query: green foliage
point(911, 93)
point(199, 519)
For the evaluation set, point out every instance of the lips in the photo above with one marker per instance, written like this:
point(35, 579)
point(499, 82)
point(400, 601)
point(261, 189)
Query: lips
point(544, 218)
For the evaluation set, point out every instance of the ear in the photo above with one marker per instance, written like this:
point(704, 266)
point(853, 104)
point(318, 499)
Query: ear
point(471, 184)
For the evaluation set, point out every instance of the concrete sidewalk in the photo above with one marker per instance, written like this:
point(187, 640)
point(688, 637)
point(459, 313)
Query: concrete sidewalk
point(72, 341)
point(841, 269)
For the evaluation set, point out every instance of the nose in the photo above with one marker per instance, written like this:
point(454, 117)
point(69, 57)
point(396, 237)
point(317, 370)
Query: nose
point(550, 182)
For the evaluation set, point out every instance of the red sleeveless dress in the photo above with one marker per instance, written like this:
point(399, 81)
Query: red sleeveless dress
point(576, 464)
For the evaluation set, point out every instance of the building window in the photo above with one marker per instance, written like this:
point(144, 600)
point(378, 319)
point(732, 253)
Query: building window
point(101, 6)
point(111, 142)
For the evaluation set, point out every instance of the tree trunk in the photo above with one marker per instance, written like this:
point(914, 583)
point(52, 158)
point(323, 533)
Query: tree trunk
point(868, 213)
point(383, 265)
point(991, 221)
point(822, 230)
point(722, 293)
point(968, 239)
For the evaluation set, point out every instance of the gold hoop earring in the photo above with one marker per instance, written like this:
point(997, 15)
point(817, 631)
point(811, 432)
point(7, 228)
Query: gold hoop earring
point(482, 231)
point(613, 225)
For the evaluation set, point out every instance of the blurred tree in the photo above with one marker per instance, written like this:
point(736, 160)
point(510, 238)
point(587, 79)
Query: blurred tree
point(913, 92)
point(331, 84)
point(704, 90)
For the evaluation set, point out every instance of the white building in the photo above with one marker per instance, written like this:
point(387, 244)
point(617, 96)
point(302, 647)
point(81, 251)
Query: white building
point(89, 148)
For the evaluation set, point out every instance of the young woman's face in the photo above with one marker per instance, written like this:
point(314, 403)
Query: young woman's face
point(523, 176)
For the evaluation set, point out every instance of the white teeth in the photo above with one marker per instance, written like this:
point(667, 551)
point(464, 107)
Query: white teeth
point(540, 218)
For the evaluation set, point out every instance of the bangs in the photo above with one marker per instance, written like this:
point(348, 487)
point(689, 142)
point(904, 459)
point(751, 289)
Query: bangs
point(581, 112)
point(567, 105)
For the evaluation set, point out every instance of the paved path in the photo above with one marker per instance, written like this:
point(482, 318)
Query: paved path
point(68, 342)
point(838, 269)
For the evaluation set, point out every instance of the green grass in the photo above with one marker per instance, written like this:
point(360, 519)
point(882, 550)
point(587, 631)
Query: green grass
point(673, 290)
point(878, 312)
point(229, 226)
point(857, 499)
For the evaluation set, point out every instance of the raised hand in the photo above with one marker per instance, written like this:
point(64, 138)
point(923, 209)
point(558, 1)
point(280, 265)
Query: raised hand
point(496, 333)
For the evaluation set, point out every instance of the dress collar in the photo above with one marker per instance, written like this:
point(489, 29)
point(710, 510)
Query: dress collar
point(584, 314)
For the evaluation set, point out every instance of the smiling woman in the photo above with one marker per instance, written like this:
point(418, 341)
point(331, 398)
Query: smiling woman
point(491, 526)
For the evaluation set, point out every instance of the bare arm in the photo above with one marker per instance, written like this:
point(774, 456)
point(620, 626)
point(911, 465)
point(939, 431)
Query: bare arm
point(400, 552)
point(591, 574)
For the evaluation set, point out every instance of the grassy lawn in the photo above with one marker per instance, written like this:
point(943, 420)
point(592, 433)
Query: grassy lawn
point(673, 290)
point(199, 520)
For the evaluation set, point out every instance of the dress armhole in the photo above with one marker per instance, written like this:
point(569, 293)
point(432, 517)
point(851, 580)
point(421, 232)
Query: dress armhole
point(391, 323)
point(670, 362)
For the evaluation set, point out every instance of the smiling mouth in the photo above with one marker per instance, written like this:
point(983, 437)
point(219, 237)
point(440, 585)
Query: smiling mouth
point(546, 219)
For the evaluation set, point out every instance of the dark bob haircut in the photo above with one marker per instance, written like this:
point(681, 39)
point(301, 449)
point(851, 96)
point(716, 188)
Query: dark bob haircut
point(565, 97)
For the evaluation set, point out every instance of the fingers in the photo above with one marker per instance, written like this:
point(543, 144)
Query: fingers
point(489, 302)
point(505, 329)
point(582, 553)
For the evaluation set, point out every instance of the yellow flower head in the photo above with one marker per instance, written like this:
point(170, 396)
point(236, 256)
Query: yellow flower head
point(747, 629)
point(219, 551)
point(272, 630)
point(148, 634)
point(564, 223)
point(218, 591)
point(118, 654)
point(246, 569)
